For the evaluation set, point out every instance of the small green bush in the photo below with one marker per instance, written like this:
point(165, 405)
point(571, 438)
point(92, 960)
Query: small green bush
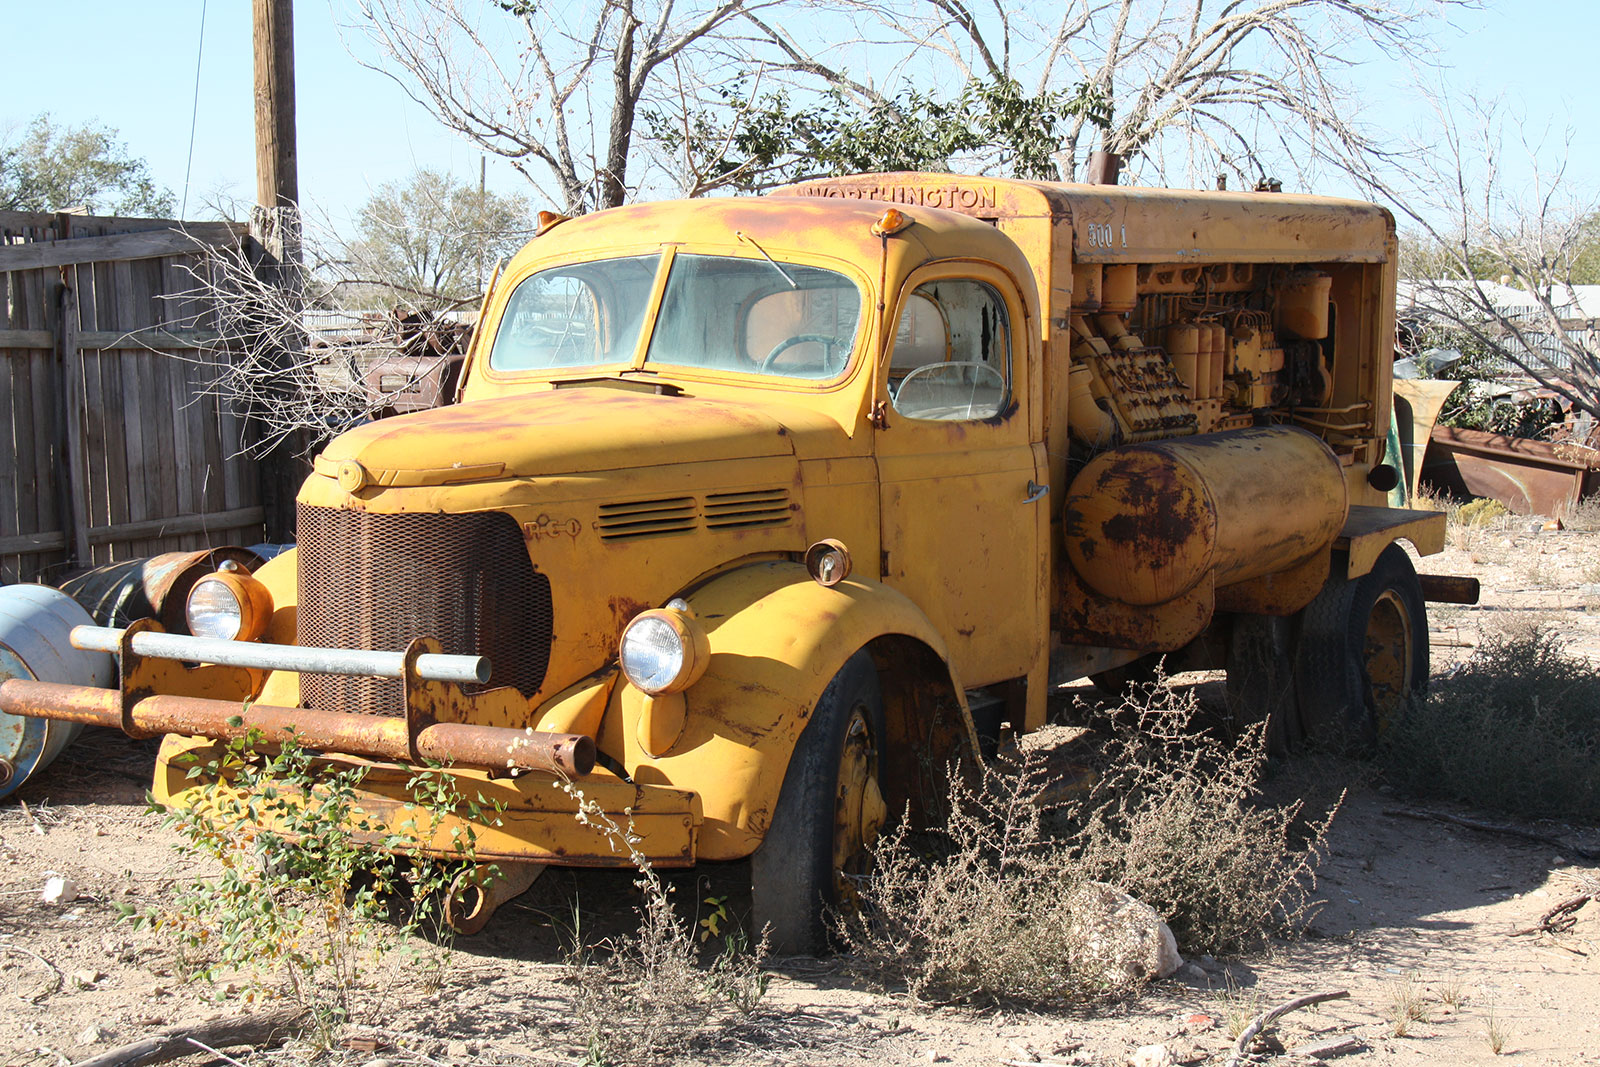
point(308, 887)
point(1480, 512)
point(1516, 729)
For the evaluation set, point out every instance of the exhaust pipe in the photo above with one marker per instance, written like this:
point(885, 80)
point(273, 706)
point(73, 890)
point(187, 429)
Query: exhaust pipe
point(1104, 167)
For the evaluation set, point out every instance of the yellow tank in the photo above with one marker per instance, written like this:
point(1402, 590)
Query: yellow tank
point(1146, 523)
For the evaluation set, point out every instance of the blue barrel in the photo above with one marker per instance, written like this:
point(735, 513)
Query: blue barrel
point(35, 621)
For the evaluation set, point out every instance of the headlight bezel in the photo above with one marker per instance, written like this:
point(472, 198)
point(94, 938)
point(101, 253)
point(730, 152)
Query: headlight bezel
point(693, 650)
point(252, 602)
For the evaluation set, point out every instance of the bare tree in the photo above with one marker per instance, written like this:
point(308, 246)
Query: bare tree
point(1504, 229)
point(556, 89)
point(1196, 88)
point(291, 353)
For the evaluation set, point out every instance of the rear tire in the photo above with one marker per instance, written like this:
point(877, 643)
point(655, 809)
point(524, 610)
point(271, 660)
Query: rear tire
point(828, 815)
point(1261, 683)
point(1121, 681)
point(1362, 654)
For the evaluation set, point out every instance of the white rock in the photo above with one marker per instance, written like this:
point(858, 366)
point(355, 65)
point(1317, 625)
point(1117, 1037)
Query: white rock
point(1123, 939)
point(58, 890)
point(1152, 1056)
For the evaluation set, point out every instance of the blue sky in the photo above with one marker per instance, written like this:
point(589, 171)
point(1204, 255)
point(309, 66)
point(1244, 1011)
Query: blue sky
point(132, 66)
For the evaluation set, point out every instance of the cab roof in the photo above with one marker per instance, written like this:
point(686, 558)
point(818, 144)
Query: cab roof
point(840, 228)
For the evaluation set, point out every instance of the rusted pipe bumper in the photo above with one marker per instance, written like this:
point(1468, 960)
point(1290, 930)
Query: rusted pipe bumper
point(493, 748)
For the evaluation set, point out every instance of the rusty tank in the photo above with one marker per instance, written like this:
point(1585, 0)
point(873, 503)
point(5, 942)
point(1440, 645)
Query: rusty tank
point(1146, 523)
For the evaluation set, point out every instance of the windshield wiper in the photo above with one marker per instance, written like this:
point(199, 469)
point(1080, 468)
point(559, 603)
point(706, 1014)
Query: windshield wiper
point(741, 235)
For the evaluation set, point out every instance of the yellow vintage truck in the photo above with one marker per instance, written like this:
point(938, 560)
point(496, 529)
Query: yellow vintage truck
point(753, 513)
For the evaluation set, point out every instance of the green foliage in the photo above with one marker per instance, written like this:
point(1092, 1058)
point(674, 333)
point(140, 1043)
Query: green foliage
point(1516, 729)
point(428, 241)
point(53, 168)
point(1586, 256)
point(774, 138)
point(306, 877)
point(1472, 407)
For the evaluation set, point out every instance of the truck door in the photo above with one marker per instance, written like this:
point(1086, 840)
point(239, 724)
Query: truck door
point(956, 469)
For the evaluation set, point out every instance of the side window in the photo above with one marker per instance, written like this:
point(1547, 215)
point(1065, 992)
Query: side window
point(952, 352)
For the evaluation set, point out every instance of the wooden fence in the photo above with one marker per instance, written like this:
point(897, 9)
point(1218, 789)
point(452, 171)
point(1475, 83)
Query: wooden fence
point(114, 448)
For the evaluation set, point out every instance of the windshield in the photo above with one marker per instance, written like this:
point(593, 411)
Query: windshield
point(726, 313)
point(575, 315)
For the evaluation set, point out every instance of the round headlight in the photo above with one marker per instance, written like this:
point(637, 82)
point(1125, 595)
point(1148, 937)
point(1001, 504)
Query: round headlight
point(230, 606)
point(663, 651)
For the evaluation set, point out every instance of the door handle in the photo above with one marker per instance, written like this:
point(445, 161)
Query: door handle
point(1035, 492)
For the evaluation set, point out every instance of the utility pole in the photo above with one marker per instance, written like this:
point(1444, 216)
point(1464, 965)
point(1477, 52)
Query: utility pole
point(275, 223)
point(277, 167)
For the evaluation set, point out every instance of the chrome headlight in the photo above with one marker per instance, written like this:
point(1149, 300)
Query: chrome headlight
point(229, 605)
point(663, 650)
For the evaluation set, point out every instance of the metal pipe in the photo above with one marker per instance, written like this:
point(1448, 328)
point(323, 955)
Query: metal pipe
point(1449, 588)
point(464, 670)
point(495, 748)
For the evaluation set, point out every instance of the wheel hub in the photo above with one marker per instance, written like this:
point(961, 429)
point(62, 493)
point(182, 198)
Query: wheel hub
point(1388, 656)
point(859, 808)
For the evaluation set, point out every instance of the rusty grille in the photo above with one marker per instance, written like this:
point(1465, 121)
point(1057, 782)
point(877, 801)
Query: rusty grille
point(378, 581)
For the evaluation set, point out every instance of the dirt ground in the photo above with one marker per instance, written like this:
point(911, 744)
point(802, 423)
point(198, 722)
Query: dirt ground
point(1415, 910)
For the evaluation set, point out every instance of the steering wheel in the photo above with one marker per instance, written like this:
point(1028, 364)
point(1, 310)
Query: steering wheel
point(787, 343)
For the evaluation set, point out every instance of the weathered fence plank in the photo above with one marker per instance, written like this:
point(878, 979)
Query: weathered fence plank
point(114, 446)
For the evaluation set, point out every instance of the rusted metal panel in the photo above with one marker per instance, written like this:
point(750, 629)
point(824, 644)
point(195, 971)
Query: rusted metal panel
point(1132, 224)
point(1529, 477)
point(530, 817)
point(1143, 524)
point(1369, 530)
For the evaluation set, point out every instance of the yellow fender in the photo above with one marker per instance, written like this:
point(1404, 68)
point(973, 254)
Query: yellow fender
point(777, 638)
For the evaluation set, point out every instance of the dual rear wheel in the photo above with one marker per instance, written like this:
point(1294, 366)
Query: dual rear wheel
point(1362, 653)
point(1336, 675)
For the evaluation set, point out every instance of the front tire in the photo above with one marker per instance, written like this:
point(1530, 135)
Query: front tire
point(828, 815)
point(1363, 653)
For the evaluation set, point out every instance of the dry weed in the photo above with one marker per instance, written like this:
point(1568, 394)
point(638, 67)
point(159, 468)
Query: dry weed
point(1178, 821)
point(1453, 993)
point(982, 907)
point(978, 908)
point(646, 999)
point(1584, 516)
point(1495, 1031)
point(1239, 1007)
point(1406, 1005)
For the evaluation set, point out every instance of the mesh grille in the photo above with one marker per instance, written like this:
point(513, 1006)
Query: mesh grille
point(378, 581)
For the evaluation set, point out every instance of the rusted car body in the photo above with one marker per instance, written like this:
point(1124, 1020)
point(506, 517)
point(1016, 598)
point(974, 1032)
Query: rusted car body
point(869, 465)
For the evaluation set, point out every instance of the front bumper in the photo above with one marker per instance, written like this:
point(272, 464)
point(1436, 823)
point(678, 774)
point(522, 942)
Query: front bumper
point(540, 796)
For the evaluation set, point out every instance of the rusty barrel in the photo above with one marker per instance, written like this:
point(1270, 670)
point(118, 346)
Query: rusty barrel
point(35, 621)
point(1145, 523)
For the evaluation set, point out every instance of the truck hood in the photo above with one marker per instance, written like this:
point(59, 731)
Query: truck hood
point(566, 431)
